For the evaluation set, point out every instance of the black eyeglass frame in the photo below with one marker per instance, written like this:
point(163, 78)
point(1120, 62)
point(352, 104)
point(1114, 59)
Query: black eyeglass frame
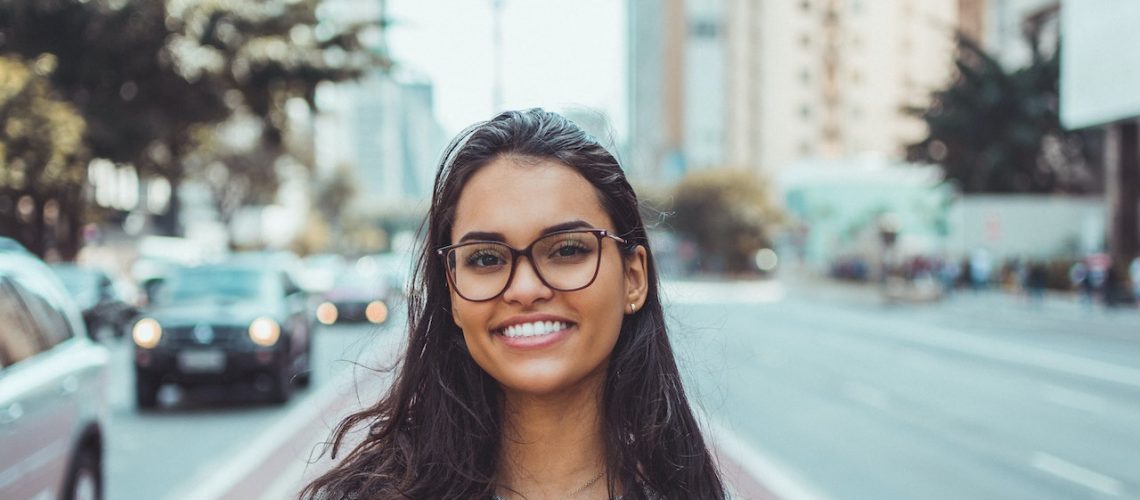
point(601, 234)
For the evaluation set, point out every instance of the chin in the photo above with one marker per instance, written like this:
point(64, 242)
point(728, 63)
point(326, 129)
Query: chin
point(547, 382)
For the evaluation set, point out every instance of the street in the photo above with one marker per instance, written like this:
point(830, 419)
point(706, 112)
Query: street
point(819, 391)
point(983, 396)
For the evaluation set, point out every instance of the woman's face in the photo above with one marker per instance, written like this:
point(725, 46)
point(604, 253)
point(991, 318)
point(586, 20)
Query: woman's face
point(517, 201)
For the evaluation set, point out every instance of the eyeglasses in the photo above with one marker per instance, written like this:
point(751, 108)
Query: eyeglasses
point(565, 261)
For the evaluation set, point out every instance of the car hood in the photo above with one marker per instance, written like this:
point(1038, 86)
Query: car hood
point(216, 312)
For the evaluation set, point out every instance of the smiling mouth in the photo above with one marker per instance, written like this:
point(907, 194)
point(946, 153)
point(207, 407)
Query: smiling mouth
point(533, 329)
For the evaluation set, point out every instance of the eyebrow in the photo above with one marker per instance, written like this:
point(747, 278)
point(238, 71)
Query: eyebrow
point(491, 236)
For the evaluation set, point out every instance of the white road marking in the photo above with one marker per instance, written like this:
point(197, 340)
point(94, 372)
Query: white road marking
point(215, 480)
point(1006, 351)
point(722, 292)
point(782, 481)
point(212, 482)
point(1076, 474)
point(1070, 398)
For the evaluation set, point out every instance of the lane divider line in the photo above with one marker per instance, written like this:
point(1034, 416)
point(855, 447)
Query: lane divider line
point(777, 478)
point(1076, 474)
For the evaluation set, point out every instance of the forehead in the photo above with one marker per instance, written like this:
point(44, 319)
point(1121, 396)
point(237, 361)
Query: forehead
point(519, 197)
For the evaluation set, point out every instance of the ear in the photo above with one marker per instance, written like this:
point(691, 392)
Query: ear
point(636, 279)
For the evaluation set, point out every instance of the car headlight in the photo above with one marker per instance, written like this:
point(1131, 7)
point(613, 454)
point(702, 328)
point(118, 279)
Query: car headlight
point(327, 313)
point(264, 332)
point(376, 312)
point(146, 333)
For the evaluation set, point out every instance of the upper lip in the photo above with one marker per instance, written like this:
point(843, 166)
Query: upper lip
point(528, 318)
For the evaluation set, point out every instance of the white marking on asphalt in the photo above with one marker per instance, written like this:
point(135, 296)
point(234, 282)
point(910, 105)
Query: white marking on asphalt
point(212, 482)
point(1007, 351)
point(722, 292)
point(782, 481)
point(1076, 474)
point(867, 394)
point(1070, 398)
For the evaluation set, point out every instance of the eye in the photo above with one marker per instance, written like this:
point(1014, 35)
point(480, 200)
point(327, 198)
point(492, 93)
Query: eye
point(485, 258)
point(570, 249)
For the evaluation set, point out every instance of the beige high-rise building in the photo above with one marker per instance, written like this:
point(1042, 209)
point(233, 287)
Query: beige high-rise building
point(830, 79)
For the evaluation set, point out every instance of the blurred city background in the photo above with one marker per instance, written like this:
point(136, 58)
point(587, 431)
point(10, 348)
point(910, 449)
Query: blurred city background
point(900, 239)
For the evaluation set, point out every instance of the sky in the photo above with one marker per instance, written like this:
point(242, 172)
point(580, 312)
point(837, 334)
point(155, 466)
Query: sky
point(557, 54)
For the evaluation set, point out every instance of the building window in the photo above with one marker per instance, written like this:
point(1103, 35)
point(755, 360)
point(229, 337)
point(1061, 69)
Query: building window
point(806, 149)
point(805, 111)
point(805, 76)
point(805, 40)
point(805, 6)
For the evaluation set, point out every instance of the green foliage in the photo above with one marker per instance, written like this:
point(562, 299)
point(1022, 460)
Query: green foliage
point(40, 135)
point(152, 78)
point(998, 131)
point(728, 214)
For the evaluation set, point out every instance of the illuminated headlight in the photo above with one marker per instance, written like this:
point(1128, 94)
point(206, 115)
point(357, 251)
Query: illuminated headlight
point(376, 312)
point(146, 333)
point(264, 332)
point(327, 313)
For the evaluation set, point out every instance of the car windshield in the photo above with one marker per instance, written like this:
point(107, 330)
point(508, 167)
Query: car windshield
point(216, 283)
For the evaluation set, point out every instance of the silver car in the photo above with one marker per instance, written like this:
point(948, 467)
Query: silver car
point(53, 408)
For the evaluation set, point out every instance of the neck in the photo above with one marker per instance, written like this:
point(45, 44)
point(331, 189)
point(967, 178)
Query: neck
point(553, 445)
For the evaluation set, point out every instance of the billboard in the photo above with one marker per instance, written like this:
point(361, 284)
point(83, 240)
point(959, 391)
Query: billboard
point(1100, 62)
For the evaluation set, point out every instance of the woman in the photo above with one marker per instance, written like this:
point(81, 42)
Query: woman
point(538, 364)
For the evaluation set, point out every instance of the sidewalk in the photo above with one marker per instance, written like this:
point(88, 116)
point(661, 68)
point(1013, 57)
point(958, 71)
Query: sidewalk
point(814, 287)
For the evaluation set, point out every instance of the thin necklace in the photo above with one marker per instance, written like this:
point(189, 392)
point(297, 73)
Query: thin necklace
point(588, 484)
point(576, 492)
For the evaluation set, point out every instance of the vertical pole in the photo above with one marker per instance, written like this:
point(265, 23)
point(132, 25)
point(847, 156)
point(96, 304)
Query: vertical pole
point(497, 40)
point(1122, 191)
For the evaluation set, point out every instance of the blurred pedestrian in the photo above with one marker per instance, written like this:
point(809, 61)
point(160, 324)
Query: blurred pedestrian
point(1079, 278)
point(1036, 281)
point(538, 364)
point(1134, 278)
point(981, 266)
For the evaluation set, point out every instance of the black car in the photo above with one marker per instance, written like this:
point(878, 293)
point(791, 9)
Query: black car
point(105, 311)
point(224, 324)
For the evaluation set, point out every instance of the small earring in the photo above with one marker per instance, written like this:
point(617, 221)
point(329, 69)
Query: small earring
point(632, 309)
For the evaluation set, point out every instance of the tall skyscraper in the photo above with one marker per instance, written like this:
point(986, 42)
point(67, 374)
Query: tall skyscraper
point(762, 84)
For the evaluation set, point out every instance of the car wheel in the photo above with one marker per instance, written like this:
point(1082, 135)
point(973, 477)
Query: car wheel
point(146, 391)
point(305, 374)
point(85, 479)
point(282, 384)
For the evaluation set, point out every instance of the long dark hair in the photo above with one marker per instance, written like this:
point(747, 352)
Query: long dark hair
point(436, 433)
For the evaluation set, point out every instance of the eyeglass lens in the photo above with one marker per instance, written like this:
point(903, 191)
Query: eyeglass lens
point(564, 261)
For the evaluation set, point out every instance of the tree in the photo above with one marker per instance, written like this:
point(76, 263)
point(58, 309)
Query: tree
point(41, 152)
point(999, 131)
point(149, 76)
point(728, 214)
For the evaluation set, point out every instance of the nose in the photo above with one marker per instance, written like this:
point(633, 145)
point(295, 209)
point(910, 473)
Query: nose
point(526, 287)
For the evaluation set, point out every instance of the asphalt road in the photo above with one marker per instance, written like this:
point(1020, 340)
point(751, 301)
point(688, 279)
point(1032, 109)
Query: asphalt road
point(828, 392)
point(172, 452)
point(978, 397)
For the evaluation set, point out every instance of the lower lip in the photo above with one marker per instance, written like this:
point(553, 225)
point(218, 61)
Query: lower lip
point(537, 341)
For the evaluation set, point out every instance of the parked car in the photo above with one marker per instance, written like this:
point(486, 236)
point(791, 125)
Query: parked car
point(356, 297)
point(106, 311)
point(225, 323)
point(53, 381)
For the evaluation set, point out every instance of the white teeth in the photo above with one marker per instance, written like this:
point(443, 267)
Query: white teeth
point(534, 329)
